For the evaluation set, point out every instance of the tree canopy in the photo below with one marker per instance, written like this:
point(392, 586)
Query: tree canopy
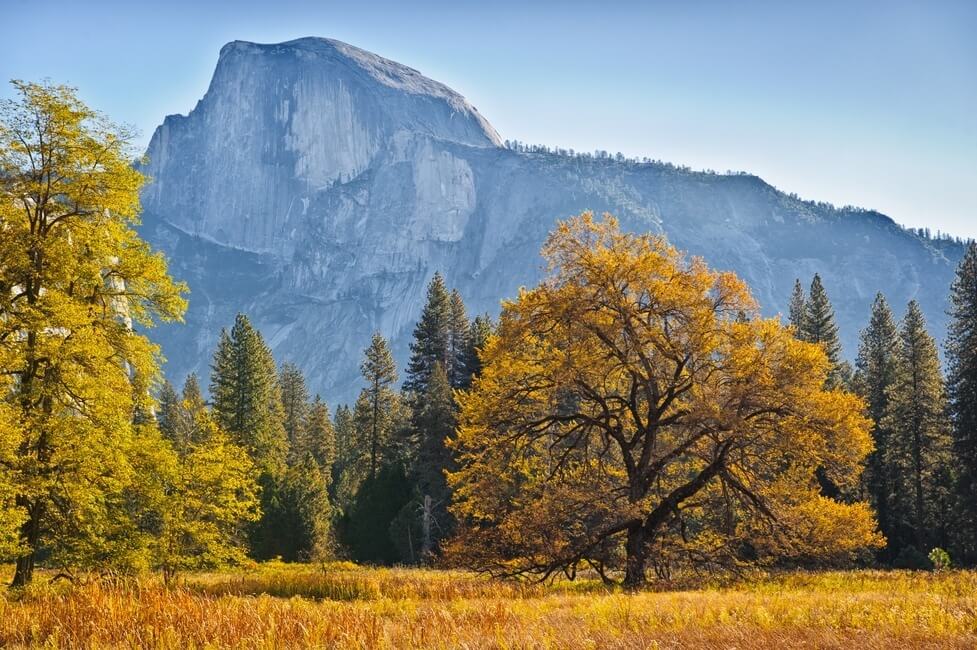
point(633, 407)
point(74, 278)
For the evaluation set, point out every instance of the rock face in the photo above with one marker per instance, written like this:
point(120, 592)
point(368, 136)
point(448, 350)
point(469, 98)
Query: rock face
point(318, 187)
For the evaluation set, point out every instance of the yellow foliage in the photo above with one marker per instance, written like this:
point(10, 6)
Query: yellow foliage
point(635, 408)
point(74, 277)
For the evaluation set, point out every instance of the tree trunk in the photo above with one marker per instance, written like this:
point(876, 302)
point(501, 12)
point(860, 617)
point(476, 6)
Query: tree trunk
point(637, 558)
point(426, 546)
point(30, 534)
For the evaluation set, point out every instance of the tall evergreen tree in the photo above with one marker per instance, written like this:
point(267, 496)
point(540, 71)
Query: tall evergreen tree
point(303, 516)
point(918, 446)
point(295, 407)
point(247, 403)
point(432, 337)
point(798, 307)
point(380, 373)
point(819, 326)
point(320, 437)
point(437, 418)
point(247, 396)
point(961, 350)
point(348, 469)
point(874, 375)
point(458, 332)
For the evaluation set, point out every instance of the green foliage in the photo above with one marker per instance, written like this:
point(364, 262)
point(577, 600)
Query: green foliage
point(432, 337)
point(961, 351)
point(480, 330)
point(319, 438)
point(209, 494)
point(299, 521)
point(940, 559)
point(818, 326)
point(375, 408)
point(917, 453)
point(458, 330)
point(247, 397)
point(798, 308)
point(427, 514)
point(367, 528)
point(295, 407)
point(874, 375)
point(348, 470)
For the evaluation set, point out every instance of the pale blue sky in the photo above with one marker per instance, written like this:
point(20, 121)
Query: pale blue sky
point(868, 103)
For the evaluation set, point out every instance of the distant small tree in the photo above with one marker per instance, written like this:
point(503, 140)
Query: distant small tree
point(798, 307)
point(818, 326)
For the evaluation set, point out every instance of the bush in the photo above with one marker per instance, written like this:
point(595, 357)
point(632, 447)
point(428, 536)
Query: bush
point(940, 559)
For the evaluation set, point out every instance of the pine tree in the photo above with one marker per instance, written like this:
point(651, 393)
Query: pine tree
point(247, 396)
point(303, 514)
point(295, 407)
point(478, 333)
point(874, 375)
point(798, 307)
point(432, 337)
point(248, 405)
point(168, 411)
point(320, 437)
point(185, 424)
point(348, 470)
point(961, 350)
point(918, 448)
point(380, 373)
point(191, 394)
point(458, 331)
point(437, 418)
point(819, 326)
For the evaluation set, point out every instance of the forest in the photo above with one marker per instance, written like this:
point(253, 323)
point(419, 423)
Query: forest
point(631, 422)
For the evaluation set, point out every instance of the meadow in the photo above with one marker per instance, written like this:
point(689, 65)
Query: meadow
point(341, 605)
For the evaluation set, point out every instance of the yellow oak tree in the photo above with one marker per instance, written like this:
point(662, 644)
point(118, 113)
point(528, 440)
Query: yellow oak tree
point(75, 279)
point(635, 411)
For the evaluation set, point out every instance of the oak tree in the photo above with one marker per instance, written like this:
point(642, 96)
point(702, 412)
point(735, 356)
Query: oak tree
point(74, 278)
point(634, 410)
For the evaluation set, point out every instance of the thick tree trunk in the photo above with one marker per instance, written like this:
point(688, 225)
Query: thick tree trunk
point(636, 563)
point(30, 534)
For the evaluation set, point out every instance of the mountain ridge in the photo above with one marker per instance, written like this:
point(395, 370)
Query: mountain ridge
point(328, 226)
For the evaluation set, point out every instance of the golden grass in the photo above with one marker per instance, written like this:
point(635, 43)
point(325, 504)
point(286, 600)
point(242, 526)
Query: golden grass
point(343, 606)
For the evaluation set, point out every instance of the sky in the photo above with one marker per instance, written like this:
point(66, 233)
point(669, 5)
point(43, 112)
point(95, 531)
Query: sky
point(865, 103)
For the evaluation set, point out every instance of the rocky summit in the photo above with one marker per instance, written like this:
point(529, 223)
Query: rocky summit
point(317, 187)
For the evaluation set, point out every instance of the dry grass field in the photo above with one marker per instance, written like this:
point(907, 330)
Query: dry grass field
point(343, 606)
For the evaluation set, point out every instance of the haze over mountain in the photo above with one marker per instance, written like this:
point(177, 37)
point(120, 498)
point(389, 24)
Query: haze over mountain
point(318, 187)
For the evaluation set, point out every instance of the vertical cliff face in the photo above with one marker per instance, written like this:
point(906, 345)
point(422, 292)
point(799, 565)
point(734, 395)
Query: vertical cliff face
point(281, 123)
point(318, 187)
